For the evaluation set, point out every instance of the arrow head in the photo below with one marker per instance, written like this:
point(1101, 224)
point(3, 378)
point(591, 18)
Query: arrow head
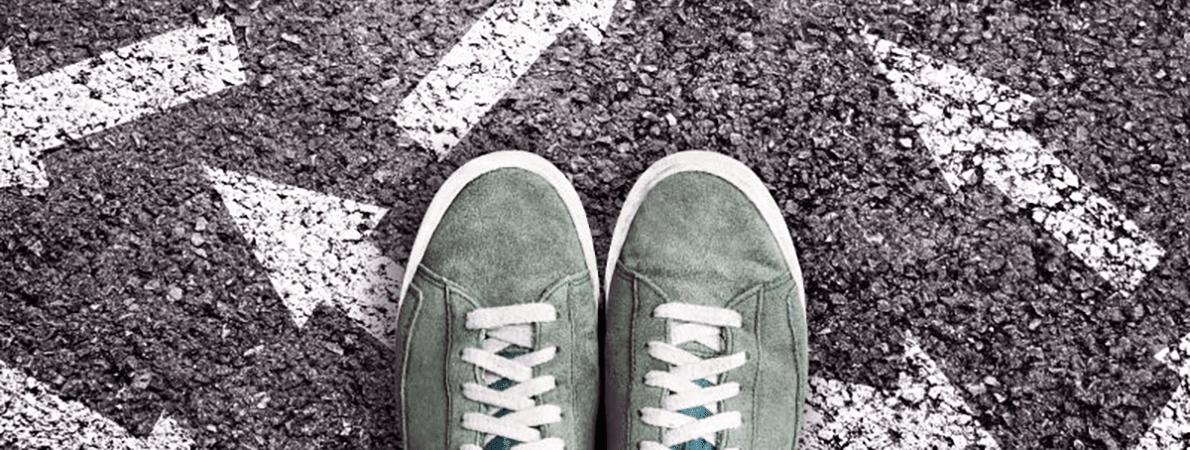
point(924, 411)
point(316, 250)
point(1176, 357)
point(1171, 427)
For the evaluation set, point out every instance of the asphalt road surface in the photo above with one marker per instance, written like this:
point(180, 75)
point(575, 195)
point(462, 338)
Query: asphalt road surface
point(151, 295)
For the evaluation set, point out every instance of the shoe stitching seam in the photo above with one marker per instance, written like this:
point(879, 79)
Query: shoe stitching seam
point(449, 309)
point(405, 367)
point(431, 276)
point(736, 299)
point(637, 277)
point(756, 382)
point(631, 424)
point(797, 366)
point(446, 283)
point(576, 281)
point(779, 280)
point(564, 282)
point(570, 370)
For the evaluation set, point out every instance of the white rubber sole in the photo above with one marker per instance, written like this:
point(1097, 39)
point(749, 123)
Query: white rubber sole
point(479, 166)
point(724, 167)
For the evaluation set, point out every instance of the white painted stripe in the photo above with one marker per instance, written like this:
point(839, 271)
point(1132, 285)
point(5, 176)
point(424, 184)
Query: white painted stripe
point(966, 121)
point(316, 250)
point(32, 417)
point(925, 411)
point(8, 69)
point(1171, 429)
point(117, 87)
point(487, 62)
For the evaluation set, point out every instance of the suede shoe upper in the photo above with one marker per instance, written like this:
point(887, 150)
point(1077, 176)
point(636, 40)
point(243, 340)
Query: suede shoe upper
point(697, 242)
point(499, 322)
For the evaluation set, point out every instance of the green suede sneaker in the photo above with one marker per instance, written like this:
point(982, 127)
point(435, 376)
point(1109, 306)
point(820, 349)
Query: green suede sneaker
point(497, 338)
point(706, 324)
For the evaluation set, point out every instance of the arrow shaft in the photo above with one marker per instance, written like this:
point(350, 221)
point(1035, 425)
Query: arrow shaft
point(115, 88)
point(34, 418)
point(1090, 226)
point(485, 64)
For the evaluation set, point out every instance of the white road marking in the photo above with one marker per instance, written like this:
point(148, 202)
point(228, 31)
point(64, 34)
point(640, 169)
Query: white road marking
point(925, 412)
point(1171, 430)
point(966, 121)
point(8, 70)
point(32, 417)
point(487, 62)
point(117, 87)
point(316, 250)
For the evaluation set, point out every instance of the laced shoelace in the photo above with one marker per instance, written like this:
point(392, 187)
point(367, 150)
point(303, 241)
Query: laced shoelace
point(690, 377)
point(514, 413)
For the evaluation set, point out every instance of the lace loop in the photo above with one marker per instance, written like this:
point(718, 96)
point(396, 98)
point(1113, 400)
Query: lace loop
point(690, 379)
point(518, 412)
point(502, 316)
point(701, 396)
point(699, 314)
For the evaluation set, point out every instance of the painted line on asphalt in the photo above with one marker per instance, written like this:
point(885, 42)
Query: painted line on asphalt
point(1171, 429)
point(316, 250)
point(487, 62)
point(115, 88)
point(925, 411)
point(32, 417)
point(966, 121)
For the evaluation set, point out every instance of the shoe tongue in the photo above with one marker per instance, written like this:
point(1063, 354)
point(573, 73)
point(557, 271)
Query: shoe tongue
point(513, 351)
point(699, 350)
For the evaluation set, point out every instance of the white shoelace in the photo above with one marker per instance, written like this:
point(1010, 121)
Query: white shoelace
point(505, 326)
point(692, 323)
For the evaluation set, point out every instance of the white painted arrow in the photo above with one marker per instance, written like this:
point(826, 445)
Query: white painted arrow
point(1171, 430)
point(31, 417)
point(924, 412)
point(117, 87)
point(966, 121)
point(316, 250)
point(487, 62)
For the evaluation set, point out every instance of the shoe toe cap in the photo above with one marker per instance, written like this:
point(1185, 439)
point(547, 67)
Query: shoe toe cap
point(701, 240)
point(508, 219)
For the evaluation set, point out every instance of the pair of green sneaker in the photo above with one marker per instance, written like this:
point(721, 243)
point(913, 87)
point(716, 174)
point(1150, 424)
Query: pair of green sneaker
point(499, 338)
